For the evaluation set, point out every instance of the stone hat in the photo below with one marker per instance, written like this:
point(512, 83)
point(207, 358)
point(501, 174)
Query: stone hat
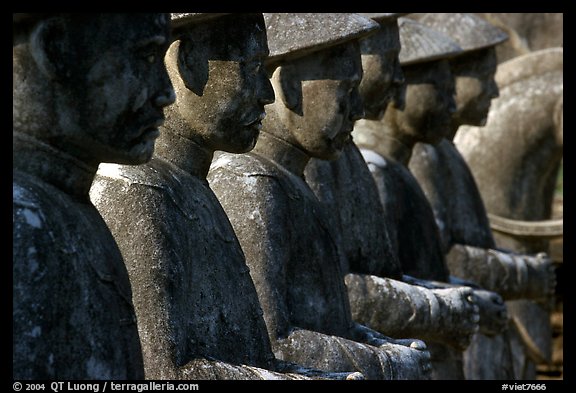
point(470, 31)
point(382, 17)
point(420, 43)
point(179, 19)
point(296, 35)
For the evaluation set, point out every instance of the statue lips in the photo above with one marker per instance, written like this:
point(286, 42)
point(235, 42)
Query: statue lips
point(256, 124)
point(150, 132)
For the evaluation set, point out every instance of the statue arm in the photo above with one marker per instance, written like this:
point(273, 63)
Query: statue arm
point(491, 308)
point(447, 315)
point(513, 276)
point(212, 369)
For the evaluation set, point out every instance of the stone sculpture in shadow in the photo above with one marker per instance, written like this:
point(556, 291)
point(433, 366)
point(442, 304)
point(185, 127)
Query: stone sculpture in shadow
point(419, 112)
point(379, 296)
point(87, 88)
point(459, 209)
point(198, 312)
point(290, 246)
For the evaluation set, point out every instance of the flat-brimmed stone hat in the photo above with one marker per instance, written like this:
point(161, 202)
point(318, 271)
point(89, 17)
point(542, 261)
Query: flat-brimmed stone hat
point(420, 43)
point(470, 31)
point(382, 17)
point(181, 19)
point(293, 35)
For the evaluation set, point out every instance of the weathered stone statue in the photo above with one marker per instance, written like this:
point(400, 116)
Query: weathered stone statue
point(378, 297)
point(528, 31)
point(458, 206)
point(419, 113)
point(292, 251)
point(198, 311)
point(87, 88)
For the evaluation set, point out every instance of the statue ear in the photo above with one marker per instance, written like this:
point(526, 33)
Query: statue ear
point(290, 88)
point(192, 66)
point(47, 47)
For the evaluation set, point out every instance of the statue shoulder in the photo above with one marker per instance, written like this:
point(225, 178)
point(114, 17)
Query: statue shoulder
point(156, 173)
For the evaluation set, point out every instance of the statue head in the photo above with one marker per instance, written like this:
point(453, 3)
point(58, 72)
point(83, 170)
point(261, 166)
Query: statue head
point(382, 74)
point(216, 64)
point(92, 85)
point(316, 69)
point(423, 110)
point(475, 67)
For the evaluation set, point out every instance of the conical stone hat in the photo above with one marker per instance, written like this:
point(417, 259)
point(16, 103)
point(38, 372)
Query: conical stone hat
point(293, 35)
point(382, 17)
point(468, 30)
point(179, 19)
point(420, 43)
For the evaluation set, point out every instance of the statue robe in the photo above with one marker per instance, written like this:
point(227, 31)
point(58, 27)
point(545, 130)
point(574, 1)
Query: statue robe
point(295, 261)
point(73, 316)
point(192, 289)
point(451, 189)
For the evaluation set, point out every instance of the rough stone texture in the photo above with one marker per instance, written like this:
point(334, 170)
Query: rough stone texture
point(82, 94)
point(73, 314)
point(418, 115)
point(468, 30)
point(528, 31)
point(192, 289)
point(292, 251)
point(294, 35)
point(458, 206)
point(294, 261)
point(378, 297)
point(198, 310)
point(529, 141)
point(422, 44)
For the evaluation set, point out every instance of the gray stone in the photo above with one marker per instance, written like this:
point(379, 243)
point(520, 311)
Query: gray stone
point(378, 297)
point(469, 31)
point(292, 251)
point(515, 136)
point(198, 310)
point(83, 93)
point(528, 31)
point(421, 113)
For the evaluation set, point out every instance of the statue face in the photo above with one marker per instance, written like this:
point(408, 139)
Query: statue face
point(429, 102)
point(382, 74)
point(330, 100)
point(117, 89)
point(228, 87)
point(475, 86)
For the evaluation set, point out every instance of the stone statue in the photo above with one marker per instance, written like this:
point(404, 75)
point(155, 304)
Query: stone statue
point(458, 207)
point(87, 88)
point(420, 112)
point(290, 247)
point(378, 297)
point(198, 311)
point(528, 32)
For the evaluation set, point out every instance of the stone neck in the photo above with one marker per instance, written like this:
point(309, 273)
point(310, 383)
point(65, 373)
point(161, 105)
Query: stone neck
point(378, 137)
point(183, 153)
point(396, 149)
point(283, 153)
point(56, 167)
point(452, 131)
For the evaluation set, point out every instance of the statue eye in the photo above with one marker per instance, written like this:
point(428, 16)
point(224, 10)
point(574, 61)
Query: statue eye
point(151, 59)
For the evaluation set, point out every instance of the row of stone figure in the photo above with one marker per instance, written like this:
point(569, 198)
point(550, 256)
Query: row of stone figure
point(188, 201)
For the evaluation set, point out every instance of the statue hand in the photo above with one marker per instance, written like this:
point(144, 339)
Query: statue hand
point(493, 313)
